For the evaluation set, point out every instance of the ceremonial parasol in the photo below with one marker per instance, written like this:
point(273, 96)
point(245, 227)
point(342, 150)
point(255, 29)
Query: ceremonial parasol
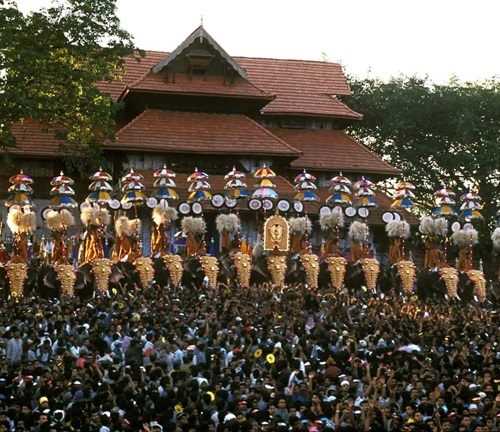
point(99, 197)
point(165, 193)
point(63, 201)
point(21, 187)
point(62, 190)
point(304, 183)
point(340, 179)
point(20, 199)
point(61, 179)
point(164, 182)
point(236, 186)
point(198, 184)
point(403, 200)
point(445, 202)
point(21, 178)
point(101, 175)
point(470, 212)
point(264, 172)
point(341, 188)
point(199, 193)
point(100, 185)
point(197, 175)
point(234, 174)
point(164, 173)
point(132, 176)
point(364, 193)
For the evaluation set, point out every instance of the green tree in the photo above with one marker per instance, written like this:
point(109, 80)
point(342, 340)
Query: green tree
point(50, 61)
point(438, 135)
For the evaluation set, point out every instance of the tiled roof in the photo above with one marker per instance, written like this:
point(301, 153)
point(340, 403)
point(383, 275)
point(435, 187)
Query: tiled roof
point(332, 150)
point(32, 141)
point(301, 87)
point(173, 131)
point(198, 84)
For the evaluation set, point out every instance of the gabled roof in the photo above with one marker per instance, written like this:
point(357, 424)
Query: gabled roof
point(301, 87)
point(31, 140)
point(203, 35)
point(332, 150)
point(196, 84)
point(185, 132)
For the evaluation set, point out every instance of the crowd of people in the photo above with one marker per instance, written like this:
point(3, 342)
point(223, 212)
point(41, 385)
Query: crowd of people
point(248, 359)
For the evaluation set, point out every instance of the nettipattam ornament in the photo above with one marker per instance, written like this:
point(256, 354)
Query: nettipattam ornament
point(337, 268)
point(479, 281)
point(406, 271)
point(277, 267)
point(210, 266)
point(449, 275)
point(17, 272)
point(146, 270)
point(311, 267)
point(243, 264)
point(371, 269)
point(67, 276)
point(174, 265)
point(101, 268)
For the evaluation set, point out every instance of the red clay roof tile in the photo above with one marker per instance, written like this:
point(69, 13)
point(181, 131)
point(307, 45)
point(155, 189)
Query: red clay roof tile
point(332, 150)
point(197, 84)
point(173, 131)
point(32, 141)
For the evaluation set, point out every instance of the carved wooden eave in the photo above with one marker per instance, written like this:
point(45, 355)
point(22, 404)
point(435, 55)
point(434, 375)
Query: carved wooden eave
point(202, 34)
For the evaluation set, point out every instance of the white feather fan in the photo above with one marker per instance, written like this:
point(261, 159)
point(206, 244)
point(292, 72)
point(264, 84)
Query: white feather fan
point(226, 222)
point(299, 225)
point(357, 232)
point(192, 225)
point(464, 238)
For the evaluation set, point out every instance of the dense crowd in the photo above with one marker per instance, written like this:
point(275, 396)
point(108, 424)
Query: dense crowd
point(257, 359)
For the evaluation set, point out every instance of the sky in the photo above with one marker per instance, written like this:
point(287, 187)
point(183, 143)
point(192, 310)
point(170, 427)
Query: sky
point(383, 38)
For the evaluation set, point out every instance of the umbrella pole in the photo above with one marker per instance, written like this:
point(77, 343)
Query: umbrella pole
point(307, 234)
point(337, 237)
point(403, 240)
point(445, 246)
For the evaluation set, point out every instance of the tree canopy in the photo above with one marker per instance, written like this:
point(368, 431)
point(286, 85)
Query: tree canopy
point(50, 62)
point(444, 135)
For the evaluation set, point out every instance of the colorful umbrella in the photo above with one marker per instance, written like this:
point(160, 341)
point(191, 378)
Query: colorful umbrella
point(197, 175)
point(264, 172)
point(132, 176)
point(365, 201)
point(403, 202)
point(234, 174)
point(236, 194)
point(265, 193)
point(164, 182)
point(265, 183)
point(340, 187)
point(404, 193)
point(164, 173)
point(405, 185)
point(133, 185)
point(339, 198)
point(471, 214)
point(165, 193)
point(21, 187)
point(306, 196)
point(21, 178)
point(20, 199)
point(101, 175)
point(470, 205)
point(198, 184)
point(63, 201)
point(61, 179)
point(470, 196)
point(199, 195)
point(304, 185)
point(135, 197)
point(445, 210)
point(446, 200)
point(444, 192)
point(100, 185)
point(235, 183)
point(99, 197)
point(364, 191)
point(340, 179)
point(363, 183)
point(304, 176)
point(62, 190)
